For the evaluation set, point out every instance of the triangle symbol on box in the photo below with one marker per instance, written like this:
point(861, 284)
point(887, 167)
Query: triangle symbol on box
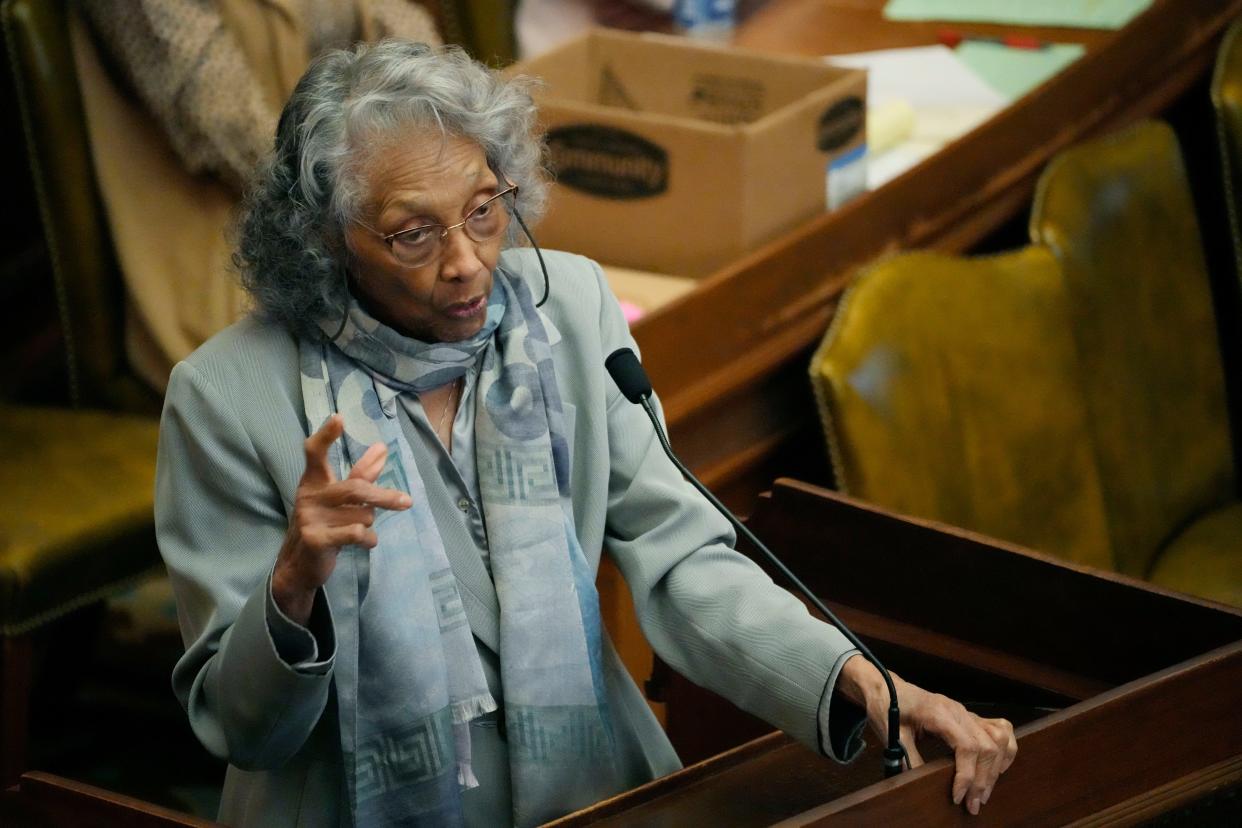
point(612, 91)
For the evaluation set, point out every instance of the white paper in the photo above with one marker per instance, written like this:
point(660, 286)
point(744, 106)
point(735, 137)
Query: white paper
point(948, 100)
point(923, 76)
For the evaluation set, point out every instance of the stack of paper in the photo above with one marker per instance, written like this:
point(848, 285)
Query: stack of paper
point(1014, 72)
point(948, 100)
point(1076, 14)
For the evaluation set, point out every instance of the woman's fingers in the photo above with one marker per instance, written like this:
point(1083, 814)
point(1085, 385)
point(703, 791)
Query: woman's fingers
point(964, 757)
point(344, 516)
point(330, 514)
point(370, 464)
point(998, 750)
point(981, 751)
point(982, 748)
point(985, 776)
point(318, 469)
point(358, 492)
point(1002, 735)
point(332, 538)
point(1002, 732)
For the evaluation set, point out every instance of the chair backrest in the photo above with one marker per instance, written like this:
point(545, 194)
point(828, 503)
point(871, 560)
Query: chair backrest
point(89, 288)
point(484, 28)
point(1227, 101)
point(1117, 213)
point(949, 389)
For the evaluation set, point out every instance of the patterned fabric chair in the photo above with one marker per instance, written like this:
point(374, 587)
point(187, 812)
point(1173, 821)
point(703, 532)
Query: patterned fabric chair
point(78, 484)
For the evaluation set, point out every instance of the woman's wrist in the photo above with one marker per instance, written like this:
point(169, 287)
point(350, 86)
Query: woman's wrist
point(861, 683)
point(294, 602)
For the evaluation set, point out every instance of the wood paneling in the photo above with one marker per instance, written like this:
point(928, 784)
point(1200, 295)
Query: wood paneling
point(1148, 719)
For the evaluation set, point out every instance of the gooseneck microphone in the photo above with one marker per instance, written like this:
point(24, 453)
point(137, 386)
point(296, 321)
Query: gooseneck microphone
point(628, 373)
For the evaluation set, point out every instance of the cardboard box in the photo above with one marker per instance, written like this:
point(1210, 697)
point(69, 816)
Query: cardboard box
point(676, 157)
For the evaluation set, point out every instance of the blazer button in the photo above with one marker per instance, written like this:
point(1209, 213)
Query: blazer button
point(464, 504)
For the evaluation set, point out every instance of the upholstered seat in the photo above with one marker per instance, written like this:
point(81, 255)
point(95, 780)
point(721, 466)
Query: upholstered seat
point(948, 389)
point(1118, 214)
point(1068, 396)
point(1227, 101)
point(483, 27)
point(76, 522)
point(1203, 558)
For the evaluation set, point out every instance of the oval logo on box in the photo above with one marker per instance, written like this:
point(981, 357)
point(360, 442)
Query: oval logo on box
point(607, 162)
point(840, 123)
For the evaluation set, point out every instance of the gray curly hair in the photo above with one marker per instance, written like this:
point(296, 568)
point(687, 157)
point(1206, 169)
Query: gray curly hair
point(291, 250)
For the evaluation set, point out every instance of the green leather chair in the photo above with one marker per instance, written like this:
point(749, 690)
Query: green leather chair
point(484, 28)
point(1118, 214)
point(948, 388)
point(1227, 101)
point(78, 484)
point(1069, 396)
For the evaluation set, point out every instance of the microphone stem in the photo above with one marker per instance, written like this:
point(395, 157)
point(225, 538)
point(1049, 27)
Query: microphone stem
point(894, 752)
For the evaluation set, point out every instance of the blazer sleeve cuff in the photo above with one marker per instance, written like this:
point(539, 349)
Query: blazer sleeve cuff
point(840, 720)
point(310, 649)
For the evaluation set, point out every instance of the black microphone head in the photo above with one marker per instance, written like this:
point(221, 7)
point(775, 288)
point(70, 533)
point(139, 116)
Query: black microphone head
point(627, 372)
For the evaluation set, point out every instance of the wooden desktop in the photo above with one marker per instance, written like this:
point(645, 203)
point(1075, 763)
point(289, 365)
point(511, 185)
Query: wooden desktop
point(1125, 695)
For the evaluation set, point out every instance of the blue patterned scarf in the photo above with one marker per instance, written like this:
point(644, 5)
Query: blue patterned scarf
point(408, 677)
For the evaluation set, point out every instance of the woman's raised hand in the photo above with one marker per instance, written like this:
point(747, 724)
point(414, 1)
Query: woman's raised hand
point(328, 514)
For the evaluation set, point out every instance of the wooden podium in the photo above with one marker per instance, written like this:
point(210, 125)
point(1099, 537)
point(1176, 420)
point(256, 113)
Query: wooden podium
point(1128, 699)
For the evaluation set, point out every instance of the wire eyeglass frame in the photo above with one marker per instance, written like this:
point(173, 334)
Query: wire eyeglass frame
point(442, 231)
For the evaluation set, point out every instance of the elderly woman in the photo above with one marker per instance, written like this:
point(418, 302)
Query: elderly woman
point(394, 620)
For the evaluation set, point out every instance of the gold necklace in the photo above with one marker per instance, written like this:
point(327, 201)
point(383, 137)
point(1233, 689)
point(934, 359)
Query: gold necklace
point(447, 405)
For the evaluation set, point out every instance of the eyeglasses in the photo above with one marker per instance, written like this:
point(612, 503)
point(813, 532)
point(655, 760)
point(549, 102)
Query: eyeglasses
point(422, 245)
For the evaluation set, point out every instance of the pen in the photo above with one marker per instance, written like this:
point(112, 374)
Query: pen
point(953, 38)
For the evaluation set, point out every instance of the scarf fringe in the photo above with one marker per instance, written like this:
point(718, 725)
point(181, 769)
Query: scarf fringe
point(465, 776)
point(473, 708)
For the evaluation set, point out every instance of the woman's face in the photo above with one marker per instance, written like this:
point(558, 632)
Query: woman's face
point(426, 180)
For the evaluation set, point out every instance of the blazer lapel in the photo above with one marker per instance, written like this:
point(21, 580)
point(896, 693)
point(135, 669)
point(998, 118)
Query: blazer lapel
point(478, 593)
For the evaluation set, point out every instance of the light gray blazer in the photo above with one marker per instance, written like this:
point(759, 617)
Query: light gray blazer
point(230, 458)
